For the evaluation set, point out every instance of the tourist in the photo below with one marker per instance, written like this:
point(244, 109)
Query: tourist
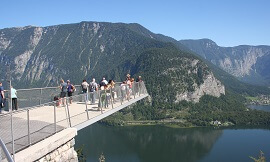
point(108, 94)
point(128, 77)
point(2, 97)
point(139, 84)
point(70, 90)
point(139, 79)
point(103, 82)
point(103, 97)
point(112, 83)
point(63, 94)
point(93, 88)
point(129, 86)
point(14, 98)
point(85, 86)
point(123, 90)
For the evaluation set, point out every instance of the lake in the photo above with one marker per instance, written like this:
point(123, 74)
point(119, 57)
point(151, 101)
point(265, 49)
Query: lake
point(260, 107)
point(163, 144)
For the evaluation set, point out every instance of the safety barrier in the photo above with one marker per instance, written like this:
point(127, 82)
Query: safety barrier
point(29, 125)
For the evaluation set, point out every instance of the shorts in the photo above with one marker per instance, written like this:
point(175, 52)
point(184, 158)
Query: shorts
point(63, 94)
point(84, 90)
point(69, 94)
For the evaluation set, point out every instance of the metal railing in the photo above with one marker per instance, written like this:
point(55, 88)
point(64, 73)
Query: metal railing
point(37, 96)
point(35, 123)
point(4, 153)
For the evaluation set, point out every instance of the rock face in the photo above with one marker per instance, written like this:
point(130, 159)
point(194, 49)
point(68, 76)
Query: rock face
point(247, 63)
point(41, 56)
point(211, 86)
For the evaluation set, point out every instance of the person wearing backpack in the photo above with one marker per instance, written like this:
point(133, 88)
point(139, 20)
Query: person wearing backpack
point(103, 82)
point(85, 86)
point(93, 88)
point(63, 87)
point(70, 90)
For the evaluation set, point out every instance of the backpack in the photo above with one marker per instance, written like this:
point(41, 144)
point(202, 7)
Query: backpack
point(92, 87)
point(102, 83)
point(123, 87)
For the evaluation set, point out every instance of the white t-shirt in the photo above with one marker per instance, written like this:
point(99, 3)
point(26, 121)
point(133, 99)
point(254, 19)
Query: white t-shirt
point(85, 85)
point(13, 93)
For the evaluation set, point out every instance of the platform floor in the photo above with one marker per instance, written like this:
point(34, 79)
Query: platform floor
point(42, 119)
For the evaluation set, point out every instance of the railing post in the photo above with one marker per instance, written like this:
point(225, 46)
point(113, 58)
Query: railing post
point(139, 88)
point(100, 102)
point(54, 112)
point(133, 91)
point(121, 95)
point(128, 92)
point(5, 150)
point(12, 135)
point(111, 97)
point(68, 111)
point(28, 127)
point(40, 96)
point(87, 109)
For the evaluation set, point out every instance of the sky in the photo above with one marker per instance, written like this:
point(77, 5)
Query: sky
point(227, 22)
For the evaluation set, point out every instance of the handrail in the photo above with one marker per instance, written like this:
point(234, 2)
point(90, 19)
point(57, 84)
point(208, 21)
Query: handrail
point(38, 88)
point(36, 107)
point(118, 95)
point(41, 105)
point(3, 146)
point(57, 87)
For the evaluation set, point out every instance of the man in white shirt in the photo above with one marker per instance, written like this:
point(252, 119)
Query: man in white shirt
point(14, 99)
point(93, 88)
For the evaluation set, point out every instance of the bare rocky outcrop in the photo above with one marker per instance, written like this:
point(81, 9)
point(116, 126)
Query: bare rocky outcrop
point(211, 86)
point(21, 61)
point(247, 63)
point(242, 66)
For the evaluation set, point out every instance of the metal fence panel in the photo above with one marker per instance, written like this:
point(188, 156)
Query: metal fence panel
point(40, 116)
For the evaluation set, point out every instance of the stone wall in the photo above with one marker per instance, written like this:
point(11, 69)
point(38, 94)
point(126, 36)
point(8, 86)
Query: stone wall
point(58, 147)
point(65, 153)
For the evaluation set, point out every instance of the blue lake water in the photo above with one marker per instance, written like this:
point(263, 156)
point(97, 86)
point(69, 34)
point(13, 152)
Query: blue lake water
point(260, 107)
point(163, 144)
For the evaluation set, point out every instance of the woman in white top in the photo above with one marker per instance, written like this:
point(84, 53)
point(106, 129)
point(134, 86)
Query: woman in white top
point(14, 99)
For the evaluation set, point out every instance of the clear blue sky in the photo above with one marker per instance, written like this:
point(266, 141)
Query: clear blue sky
point(227, 22)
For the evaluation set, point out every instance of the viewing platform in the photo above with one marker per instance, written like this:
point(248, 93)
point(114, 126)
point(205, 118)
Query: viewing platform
point(30, 125)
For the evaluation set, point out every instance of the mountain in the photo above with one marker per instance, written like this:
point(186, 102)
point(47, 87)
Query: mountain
point(40, 56)
point(250, 64)
point(230, 82)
